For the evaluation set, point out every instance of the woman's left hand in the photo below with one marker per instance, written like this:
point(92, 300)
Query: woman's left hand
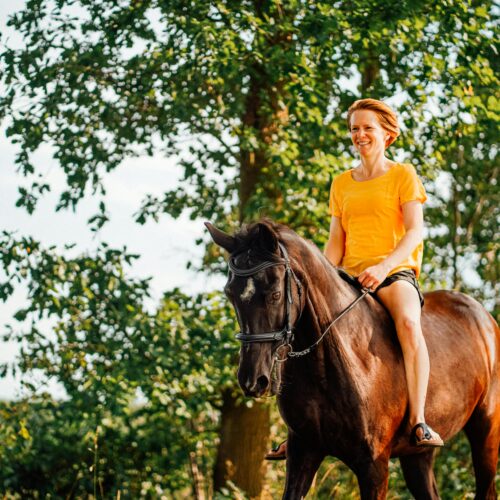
point(373, 276)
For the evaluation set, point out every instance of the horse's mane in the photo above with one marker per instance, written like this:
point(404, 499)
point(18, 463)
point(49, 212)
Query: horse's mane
point(252, 237)
point(259, 236)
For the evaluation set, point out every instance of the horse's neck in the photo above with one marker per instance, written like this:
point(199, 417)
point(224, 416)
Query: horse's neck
point(330, 295)
point(327, 297)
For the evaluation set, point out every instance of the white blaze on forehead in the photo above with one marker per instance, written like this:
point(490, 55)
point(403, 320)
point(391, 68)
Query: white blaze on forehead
point(248, 291)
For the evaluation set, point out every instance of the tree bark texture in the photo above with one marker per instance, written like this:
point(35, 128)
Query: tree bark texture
point(244, 438)
point(370, 71)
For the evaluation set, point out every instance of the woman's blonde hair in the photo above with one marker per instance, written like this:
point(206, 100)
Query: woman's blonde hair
point(385, 115)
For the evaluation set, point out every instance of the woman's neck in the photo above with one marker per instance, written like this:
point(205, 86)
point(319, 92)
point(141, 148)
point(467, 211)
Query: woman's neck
point(373, 166)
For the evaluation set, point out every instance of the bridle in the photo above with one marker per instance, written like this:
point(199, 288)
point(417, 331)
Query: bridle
point(286, 333)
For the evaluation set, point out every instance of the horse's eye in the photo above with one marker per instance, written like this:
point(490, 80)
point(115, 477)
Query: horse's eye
point(276, 295)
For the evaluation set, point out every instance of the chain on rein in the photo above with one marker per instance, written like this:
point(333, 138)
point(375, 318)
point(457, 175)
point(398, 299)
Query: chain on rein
point(286, 333)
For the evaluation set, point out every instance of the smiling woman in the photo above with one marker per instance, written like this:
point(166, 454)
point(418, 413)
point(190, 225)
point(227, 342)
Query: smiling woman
point(376, 235)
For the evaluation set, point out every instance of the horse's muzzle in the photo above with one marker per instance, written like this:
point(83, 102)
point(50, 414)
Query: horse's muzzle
point(254, 371)
point(254, 388)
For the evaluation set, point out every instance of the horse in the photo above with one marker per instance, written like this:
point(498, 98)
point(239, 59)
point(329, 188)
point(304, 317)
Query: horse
point(342, 389)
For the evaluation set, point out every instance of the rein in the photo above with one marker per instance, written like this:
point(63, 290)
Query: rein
point(298, 354)
point(285, 334)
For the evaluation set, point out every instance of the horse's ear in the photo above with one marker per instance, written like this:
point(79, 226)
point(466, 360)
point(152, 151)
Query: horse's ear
point(266, 237)
point(222, 239)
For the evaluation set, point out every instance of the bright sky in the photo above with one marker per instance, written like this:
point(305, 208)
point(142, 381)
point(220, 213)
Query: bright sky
point(164, 247)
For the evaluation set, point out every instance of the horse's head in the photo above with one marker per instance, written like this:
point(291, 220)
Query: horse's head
point(265, 293)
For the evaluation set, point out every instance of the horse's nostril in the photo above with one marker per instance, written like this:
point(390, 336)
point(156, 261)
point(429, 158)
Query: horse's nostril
point(254, 387)
point(262, 383)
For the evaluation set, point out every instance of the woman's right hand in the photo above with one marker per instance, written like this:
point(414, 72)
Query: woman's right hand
point(373, 276)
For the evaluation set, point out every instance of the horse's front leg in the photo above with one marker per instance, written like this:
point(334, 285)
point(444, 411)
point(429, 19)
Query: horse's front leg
point(303, 460)
point(373, 478)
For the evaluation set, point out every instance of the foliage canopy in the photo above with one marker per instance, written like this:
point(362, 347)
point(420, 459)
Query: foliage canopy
point(249, 97)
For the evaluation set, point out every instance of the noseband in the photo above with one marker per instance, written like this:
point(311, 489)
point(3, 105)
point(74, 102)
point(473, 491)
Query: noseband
point(285, 333)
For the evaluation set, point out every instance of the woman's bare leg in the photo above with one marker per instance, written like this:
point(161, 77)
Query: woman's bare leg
point(403, 303)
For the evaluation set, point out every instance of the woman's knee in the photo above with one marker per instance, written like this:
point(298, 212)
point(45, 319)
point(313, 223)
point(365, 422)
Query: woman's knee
point(409, 332)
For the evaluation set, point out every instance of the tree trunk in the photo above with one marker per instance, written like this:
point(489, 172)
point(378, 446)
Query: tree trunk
point(265, 112)
point(245, 431)
point(370, 71)
point(457, 221)
point(244, 438)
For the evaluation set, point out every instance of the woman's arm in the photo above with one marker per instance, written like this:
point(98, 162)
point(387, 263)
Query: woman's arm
point(413, 218)
point(335, 246)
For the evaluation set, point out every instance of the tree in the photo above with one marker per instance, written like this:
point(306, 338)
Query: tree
point(258, 87)
point(130, 377)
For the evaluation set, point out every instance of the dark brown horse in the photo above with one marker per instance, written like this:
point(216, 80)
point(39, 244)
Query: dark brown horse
point(348, 397)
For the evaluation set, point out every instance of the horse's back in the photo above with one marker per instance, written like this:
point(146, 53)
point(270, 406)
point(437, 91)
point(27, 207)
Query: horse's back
point(464, 349)
point(462, 317)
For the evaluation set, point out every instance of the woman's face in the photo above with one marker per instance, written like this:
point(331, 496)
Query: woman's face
point(367, 135)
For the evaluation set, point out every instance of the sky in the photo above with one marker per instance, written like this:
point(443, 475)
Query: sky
point(164, 247)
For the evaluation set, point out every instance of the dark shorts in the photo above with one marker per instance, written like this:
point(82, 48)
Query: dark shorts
point(405, 276)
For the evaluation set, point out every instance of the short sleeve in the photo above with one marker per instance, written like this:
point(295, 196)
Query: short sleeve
point(334, 201)
point(411, 187)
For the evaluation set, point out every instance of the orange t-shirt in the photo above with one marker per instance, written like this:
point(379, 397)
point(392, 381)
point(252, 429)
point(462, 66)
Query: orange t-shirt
point(372, 218)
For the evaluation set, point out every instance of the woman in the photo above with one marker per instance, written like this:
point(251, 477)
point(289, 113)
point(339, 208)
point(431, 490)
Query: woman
point(376, 236)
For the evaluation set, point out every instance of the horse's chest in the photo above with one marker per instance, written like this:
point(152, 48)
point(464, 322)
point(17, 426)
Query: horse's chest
point(311, 414)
